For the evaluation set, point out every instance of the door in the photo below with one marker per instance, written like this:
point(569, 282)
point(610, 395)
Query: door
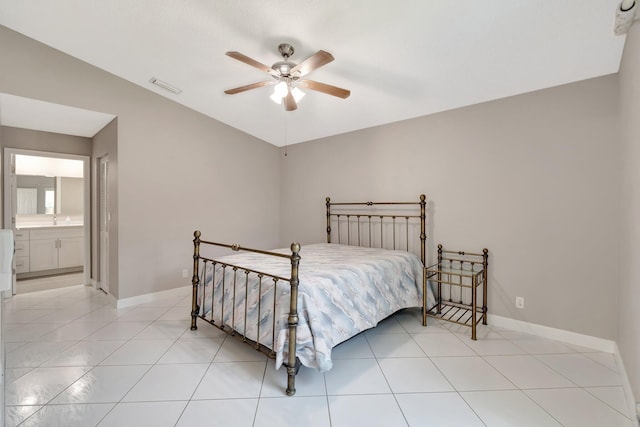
point(103, 224)
point(72, 208)
point(70, 252)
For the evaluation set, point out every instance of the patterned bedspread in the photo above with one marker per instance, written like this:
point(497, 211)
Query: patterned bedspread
point(343, 291)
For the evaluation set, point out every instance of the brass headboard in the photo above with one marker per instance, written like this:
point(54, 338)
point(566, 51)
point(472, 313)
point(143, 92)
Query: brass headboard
point(373, 220)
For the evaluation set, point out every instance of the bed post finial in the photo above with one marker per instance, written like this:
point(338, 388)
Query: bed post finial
point(195, 280)
point(328, 202)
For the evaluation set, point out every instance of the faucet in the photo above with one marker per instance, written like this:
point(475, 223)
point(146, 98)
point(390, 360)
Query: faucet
point(55, 219)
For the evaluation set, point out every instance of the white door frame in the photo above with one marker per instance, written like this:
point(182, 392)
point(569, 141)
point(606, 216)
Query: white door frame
point(104, 217)
point(9, 200)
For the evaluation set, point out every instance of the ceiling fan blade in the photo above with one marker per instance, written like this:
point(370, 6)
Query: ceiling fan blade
point(290, 102)
point(325, 88)
point(248, 87)
point(249, 61)
point(316, 60)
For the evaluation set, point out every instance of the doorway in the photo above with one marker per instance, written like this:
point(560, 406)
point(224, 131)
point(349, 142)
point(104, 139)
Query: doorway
point(46, 199)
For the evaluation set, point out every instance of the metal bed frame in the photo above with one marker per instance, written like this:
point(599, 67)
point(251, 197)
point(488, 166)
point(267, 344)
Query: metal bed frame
point(383, 227)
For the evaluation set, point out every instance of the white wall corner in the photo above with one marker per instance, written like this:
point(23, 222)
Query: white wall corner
point(113, 301)
point(634, 407)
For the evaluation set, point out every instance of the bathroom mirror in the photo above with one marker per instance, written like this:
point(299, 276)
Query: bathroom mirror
point(36, 195)
point(47, 195)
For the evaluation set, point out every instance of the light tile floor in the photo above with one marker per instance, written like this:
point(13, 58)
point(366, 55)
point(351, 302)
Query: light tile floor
point(73, 360)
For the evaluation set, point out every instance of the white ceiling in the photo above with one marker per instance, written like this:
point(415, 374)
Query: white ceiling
point(400, 59)
point(26, 113)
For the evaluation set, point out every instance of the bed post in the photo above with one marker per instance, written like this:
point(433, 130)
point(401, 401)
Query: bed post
point(439, 297)
point(423, 233)
point(485, 265)
point(195, 279)
point(328, 200)
point(292, 360)
point(423, 256)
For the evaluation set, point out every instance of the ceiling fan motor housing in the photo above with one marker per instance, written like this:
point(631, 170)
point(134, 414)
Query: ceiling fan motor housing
point(286, 50)
point(284, 67)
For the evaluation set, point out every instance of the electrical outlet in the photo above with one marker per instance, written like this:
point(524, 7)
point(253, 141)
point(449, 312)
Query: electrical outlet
point(519, 302)
point(185, 273)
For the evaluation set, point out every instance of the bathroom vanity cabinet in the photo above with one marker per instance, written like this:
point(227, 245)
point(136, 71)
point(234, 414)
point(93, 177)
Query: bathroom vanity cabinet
point(49, 250)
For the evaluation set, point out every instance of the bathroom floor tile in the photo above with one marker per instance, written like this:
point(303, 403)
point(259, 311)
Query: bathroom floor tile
point(508, 408)
point(528, 372)
point(576, 407)
point(139, 352)
point(167, 382)
point(413, 375)
point(103, 384)
point(438, 345)
point(437, 409)
point(293, 412)
point(356, 376)
point(156, 414)
point(380, 410)
point(581, 370)
point(472, 373)
point(68, 415)
point(41, 385)
point(231, 380)
point(229, 412)
point(397, 345)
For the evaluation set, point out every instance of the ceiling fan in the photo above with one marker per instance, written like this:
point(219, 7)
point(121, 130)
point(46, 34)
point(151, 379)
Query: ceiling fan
point(286, 76)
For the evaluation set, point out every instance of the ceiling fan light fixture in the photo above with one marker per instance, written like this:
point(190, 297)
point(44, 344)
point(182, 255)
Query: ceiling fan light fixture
point(280, 91)
point(297, 94)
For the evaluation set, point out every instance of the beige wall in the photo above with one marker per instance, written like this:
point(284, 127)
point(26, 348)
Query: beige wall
point(26, 139)
point(71, 196)
point(167, 156)
point(629, 306)
point(534, 178)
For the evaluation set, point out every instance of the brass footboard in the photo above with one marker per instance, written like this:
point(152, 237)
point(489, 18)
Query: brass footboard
point(240, 280)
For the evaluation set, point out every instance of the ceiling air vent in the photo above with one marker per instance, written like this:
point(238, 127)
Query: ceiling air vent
point(165, 85)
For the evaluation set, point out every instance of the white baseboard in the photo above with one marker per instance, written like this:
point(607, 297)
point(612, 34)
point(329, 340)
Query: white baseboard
point(575, 338)
point(154, 296)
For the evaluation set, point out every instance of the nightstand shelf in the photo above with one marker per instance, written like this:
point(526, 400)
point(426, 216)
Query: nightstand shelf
point(459, 282)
